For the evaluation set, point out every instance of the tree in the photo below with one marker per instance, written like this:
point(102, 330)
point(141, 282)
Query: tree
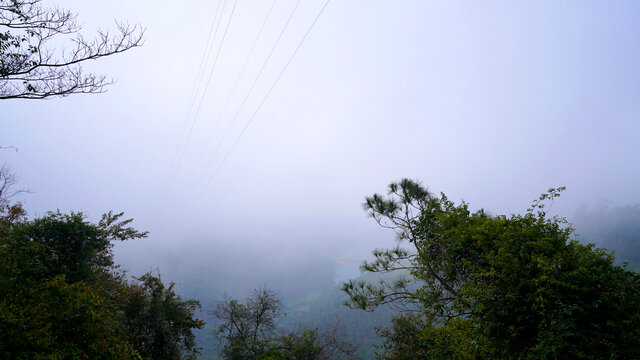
point(62, 296)
point(10, 211)
point(44, 315)
point(248, 331)
point(7, 182)
point(31, 69)
point(508, 287)
point(76, 248)
point(158, 321)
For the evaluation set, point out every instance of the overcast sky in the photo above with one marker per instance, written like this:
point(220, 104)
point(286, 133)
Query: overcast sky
point(492, 102)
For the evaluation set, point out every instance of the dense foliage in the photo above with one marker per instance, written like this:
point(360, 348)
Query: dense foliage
point(509, 287)
point(158, 321)
point(63, 297)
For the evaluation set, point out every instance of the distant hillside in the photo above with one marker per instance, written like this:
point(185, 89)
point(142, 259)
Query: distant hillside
point(613, 228)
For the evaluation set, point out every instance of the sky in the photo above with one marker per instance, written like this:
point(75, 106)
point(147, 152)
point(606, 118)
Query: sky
point(490, 102)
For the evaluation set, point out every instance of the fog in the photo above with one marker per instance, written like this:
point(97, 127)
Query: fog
point(615, 228)
point(491, 103)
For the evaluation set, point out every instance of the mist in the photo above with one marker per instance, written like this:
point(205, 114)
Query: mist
point(491, 103)
point(615, 228)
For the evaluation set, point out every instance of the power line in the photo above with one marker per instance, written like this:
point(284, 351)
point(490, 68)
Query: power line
point(203, 62)
point(195, 118)
point(215, 62)
point(235, 85)
point(255, 81)
point(206, 54)
point(264, 98)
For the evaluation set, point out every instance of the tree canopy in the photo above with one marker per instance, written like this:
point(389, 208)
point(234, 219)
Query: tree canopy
point(64, 298)
point(483, 286)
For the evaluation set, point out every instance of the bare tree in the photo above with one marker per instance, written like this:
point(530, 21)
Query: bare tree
point(249, 331)
point(30, 69)
point(7, 182)
point(10, 211)
point(246, 328)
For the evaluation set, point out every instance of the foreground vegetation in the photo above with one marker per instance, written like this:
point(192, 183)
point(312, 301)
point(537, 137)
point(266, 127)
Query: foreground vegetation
point(468, 286)
point(496, 287)
point(63, 297)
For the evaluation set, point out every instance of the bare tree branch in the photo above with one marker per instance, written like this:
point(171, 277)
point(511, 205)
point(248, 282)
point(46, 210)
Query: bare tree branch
point(30, 69)
point(10, 210)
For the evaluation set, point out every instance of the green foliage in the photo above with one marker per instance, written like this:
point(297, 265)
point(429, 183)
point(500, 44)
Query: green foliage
point(325, 309)
point(305, 345)
point(158, 321)
point(62, 297)
point(507, 287)
point(74, 247)
point(413, 336)
point(43, 316)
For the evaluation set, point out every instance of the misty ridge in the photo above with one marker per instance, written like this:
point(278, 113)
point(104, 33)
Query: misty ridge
point(319, 180)
point(615, 228)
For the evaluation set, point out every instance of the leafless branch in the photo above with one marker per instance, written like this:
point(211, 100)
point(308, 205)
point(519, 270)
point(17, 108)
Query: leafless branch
point(8, 180)
point(30, 69)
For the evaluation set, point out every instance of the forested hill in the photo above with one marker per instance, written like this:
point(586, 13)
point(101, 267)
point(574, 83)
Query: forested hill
point(307, 284)
point(614, 228)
